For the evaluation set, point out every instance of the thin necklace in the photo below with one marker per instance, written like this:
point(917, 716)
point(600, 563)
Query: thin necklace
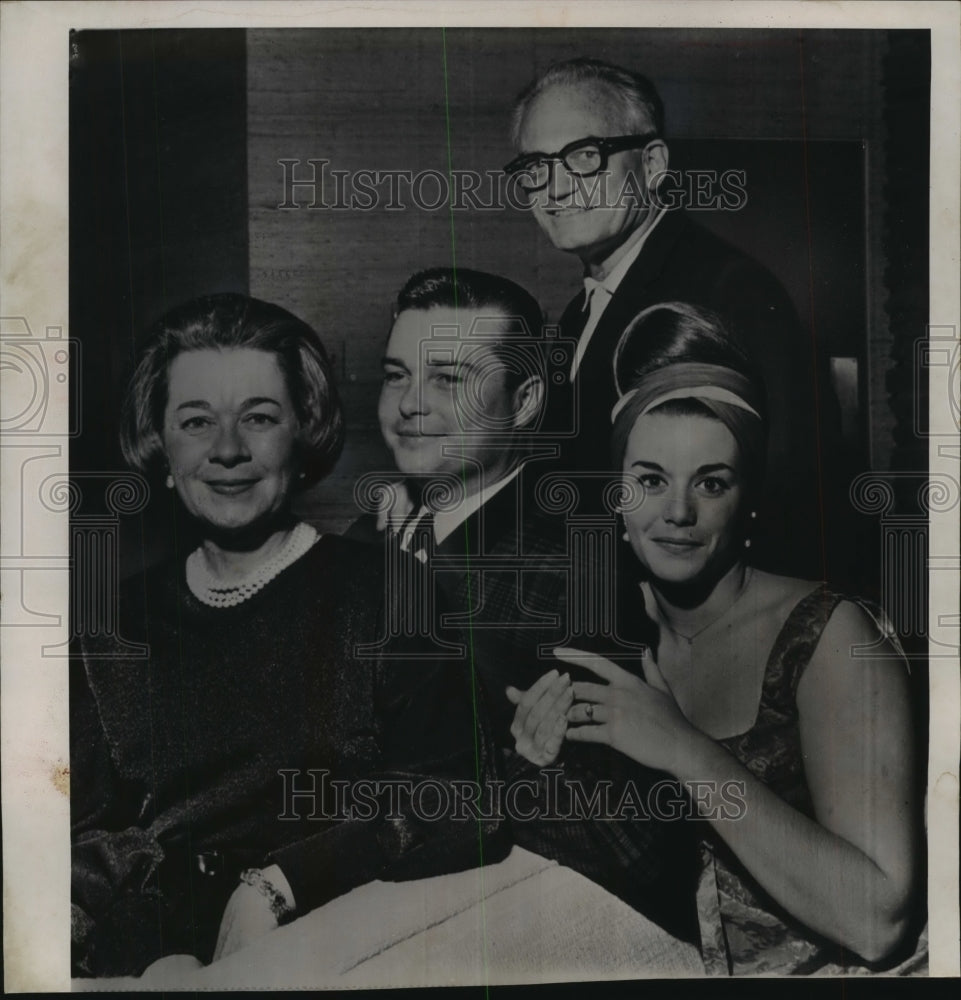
point(211, 590)
point(689, 639)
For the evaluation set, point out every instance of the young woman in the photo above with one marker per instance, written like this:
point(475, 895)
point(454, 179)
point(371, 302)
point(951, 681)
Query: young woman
point(783, 707)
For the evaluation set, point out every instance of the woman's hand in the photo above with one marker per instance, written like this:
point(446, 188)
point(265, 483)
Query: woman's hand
point(248, 914)
point(640, 719)
point(247, 917)
point(171, 970)
point(541, 717)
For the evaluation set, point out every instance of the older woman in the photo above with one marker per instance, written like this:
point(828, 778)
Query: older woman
point(204, 773)
point(782, 706)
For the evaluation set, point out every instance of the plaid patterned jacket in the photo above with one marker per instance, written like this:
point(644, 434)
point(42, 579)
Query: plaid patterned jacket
point(506, 580)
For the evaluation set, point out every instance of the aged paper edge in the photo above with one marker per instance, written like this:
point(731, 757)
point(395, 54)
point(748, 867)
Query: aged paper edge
point(33, 285)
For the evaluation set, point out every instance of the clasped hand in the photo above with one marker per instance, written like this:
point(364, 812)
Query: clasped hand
point(540, 719)
point(640, 718)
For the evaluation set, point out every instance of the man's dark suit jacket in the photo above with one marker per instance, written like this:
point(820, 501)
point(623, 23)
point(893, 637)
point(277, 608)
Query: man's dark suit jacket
point(682, 261)
point(505, 615)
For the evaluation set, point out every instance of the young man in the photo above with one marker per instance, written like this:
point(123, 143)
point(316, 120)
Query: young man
point(460, 407)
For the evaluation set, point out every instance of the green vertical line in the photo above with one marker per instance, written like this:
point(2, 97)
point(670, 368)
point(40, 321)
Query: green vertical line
point(470, 602)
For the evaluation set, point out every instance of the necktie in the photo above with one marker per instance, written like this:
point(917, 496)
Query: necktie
point(596, 302)
point(421, 538)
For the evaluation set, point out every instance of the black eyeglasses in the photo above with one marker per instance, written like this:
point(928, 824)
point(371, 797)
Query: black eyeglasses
point(583, 158)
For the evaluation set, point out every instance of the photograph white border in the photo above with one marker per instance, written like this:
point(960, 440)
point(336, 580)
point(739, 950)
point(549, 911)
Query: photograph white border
point(33, 285)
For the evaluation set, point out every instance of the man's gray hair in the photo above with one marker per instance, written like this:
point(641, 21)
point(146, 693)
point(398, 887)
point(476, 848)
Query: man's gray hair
point(636, 97)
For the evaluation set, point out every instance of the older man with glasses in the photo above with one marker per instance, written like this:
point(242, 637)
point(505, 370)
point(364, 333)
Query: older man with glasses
point(590, 139)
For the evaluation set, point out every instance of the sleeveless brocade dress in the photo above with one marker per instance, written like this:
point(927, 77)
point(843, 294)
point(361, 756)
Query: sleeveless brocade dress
point(743, 930)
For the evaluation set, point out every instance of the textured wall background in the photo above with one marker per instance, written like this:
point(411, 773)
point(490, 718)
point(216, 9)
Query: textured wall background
point(175, 188)
point(802, 114)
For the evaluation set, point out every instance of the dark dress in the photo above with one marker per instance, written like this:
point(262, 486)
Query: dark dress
point(217, 753)
point(743, 930)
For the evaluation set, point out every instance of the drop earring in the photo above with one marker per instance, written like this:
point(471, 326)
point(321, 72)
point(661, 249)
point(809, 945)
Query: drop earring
point(169, 481)
point(747, 541)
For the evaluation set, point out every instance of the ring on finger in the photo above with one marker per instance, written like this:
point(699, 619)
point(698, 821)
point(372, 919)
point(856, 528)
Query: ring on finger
point(589, 712)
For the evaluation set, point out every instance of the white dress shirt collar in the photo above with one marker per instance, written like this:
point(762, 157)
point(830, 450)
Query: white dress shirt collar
point(599, 293)
point(447, 521)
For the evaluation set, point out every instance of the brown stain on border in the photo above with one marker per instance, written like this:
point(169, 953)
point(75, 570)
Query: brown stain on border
point(60, 778)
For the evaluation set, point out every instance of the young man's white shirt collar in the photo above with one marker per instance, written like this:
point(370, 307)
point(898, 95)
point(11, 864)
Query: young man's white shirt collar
point(447, 521)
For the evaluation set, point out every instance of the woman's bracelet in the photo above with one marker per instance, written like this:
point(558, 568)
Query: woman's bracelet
point(279, 907)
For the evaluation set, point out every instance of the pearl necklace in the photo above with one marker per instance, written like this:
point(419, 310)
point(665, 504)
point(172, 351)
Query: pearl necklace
point(212, 591)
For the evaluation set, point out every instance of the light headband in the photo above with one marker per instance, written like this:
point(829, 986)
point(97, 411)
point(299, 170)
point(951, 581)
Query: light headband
point(715, 392)
point(689, 380)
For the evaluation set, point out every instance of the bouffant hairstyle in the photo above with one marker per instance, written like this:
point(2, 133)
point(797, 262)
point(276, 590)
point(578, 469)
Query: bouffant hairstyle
point(222, 322)
point(683, 351)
